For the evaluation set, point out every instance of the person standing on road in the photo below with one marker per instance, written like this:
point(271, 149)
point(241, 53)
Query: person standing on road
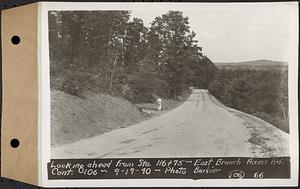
point(159, 104)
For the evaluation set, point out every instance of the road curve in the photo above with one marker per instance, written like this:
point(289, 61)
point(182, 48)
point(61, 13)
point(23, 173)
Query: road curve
point(200, 127)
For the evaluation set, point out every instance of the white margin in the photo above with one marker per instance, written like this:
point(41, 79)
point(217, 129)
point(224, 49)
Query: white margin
point(44, 102)
point(39, 94)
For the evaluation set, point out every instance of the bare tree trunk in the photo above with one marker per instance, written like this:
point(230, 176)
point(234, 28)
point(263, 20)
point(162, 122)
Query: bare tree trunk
point(112, 73)
point(106, 76)
point(283, 111)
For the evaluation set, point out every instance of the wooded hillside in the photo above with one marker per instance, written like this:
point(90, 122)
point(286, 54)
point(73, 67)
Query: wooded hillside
point(253, 65)
point(262, 93)
point(108, 52)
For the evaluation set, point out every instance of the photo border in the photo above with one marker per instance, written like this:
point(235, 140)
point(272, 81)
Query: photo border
point(44, 103)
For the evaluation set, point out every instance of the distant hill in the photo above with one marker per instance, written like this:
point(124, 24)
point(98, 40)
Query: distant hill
point(255, 64)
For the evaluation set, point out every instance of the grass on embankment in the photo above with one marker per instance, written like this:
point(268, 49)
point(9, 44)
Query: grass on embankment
point(74, 118)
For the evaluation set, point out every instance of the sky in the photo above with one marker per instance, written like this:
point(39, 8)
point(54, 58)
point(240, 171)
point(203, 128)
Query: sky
point(235, 32)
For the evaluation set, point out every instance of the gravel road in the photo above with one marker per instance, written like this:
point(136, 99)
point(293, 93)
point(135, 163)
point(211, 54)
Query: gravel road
point(200, 127)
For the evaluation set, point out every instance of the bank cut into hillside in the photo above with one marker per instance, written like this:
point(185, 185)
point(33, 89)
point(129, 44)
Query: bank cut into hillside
point(74, 118)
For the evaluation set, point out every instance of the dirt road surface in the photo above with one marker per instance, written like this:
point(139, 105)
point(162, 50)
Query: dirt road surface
point(200, 127)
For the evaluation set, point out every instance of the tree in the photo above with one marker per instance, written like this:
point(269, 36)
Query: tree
point(261, 93)
point(106, 52)
point(90, 42)
point(145, 82)
point(135, 45)
point(171, 44)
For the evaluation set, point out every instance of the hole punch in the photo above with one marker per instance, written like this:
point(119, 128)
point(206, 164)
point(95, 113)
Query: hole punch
point(14, 143)
point(15, 40)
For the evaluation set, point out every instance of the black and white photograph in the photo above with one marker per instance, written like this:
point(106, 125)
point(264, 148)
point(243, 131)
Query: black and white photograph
point(202, 80)
point(134, 84)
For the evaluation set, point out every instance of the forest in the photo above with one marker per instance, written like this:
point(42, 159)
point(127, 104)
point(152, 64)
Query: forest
point(262, 93)
point(110, 52)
